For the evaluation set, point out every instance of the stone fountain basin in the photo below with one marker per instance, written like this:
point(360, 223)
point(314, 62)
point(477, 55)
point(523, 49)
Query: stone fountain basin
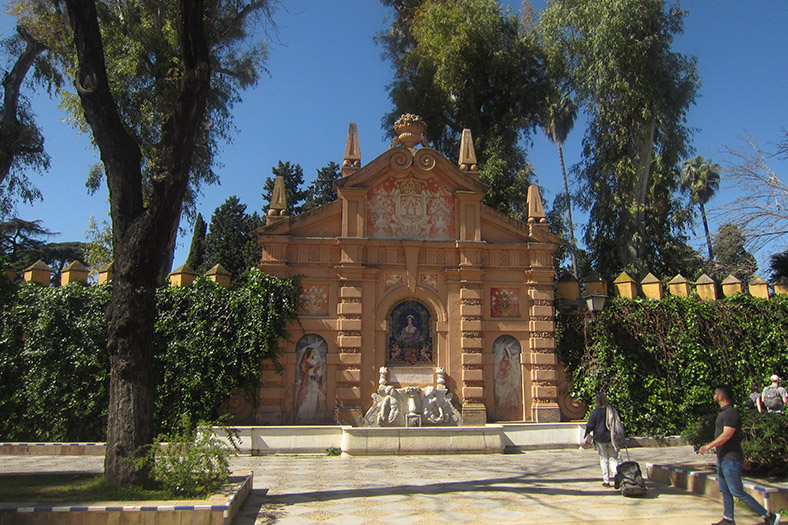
point(367, 441)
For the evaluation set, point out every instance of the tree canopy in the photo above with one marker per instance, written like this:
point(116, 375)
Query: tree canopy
point(155, 116)
point(636, 92)
point(21, 142)
point(230, 241)
point(322, 191)
point(702, 180)
point(467, 64)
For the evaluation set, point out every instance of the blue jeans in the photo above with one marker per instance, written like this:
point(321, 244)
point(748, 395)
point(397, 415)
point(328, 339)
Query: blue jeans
point(729, 480)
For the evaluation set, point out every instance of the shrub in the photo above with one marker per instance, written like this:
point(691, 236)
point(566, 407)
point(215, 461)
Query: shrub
point(765, 441)
point(189, 462)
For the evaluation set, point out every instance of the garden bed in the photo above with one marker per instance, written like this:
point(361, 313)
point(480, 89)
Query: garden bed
point(56, 507)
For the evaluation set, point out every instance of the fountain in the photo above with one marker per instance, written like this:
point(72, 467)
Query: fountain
point(412, 406)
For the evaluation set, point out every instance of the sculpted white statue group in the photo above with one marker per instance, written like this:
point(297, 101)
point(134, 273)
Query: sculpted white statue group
point(411, 406)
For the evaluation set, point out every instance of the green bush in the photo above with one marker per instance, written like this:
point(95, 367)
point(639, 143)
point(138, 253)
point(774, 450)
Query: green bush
point(765, 441)
point(659, 361)
point(209, 342)
point(189, 462)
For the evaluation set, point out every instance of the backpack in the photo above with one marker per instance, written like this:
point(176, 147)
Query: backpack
point(772, 399)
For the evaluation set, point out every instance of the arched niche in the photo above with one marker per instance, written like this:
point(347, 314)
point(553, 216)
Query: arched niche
point(507, 374)
point(310, 379)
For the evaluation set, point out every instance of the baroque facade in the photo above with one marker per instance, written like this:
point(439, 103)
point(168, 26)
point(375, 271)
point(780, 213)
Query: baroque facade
point(408, 270)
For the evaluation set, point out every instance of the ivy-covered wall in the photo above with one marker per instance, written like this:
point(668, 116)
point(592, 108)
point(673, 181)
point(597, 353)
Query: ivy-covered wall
point(659, 361)
point(54, 366)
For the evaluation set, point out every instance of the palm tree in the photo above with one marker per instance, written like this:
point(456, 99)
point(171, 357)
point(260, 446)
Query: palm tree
point(702, 180)
point(556, 121)
point(779, 265)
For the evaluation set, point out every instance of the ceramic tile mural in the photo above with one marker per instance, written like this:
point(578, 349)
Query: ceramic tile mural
point(310, 384)
point(393, 279)
point(314, 300)
point(409, 207)
point(504, 302)
point(430, 279)
point(506, 350)
point(410, 337)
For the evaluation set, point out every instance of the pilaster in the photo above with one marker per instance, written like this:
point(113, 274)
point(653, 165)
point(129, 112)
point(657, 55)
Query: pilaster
point(348, 371)
point(474, 411)
point(544, 381)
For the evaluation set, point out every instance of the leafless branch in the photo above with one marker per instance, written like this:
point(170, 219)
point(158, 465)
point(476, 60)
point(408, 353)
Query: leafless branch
point(761, 209)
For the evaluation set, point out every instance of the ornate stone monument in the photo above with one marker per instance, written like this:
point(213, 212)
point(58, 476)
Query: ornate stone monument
point(409, 271)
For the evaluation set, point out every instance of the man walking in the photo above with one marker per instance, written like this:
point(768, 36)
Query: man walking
point(774, 397)
point(730, 460)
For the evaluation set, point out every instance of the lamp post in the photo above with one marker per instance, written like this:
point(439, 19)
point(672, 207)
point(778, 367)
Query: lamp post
point(595, 302)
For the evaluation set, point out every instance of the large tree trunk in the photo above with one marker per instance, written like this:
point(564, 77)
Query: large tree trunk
point(141, 233)
point(632, 241)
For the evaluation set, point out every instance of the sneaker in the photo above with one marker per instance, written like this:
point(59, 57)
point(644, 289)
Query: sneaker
point(605, 484)
point(772, 519)
point(725, 521)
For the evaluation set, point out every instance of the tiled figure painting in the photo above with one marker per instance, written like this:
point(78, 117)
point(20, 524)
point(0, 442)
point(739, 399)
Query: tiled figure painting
point(508, 390)
point(310, 380)
point(410, 337)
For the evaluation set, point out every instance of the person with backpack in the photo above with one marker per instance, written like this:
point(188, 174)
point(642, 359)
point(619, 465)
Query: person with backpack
point(730, 460)
point(608, 431)
point(774, 397)
point(754, 401)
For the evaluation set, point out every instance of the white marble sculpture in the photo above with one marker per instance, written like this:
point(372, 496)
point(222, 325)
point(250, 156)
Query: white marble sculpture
point(411, 406)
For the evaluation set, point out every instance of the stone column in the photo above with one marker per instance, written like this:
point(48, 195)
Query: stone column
point(348, 409)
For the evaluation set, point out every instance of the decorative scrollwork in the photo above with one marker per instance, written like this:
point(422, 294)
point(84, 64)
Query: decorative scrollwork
point(401, 159)
point(425, 159)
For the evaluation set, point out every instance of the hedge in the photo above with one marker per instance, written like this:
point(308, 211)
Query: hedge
point(659, 361)
point(209, 342)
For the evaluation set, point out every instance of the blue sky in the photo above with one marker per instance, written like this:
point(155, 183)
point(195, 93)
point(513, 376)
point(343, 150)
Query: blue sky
point(326, 72)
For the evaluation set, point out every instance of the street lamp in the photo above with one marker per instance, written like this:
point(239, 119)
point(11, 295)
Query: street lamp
point(596, 302)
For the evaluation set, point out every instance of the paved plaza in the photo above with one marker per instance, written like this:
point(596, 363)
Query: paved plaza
point(540, 486)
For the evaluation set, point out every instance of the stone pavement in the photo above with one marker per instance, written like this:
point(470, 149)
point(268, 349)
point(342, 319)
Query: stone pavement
point(540, 486)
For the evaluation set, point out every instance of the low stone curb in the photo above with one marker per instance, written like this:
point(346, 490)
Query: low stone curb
point(52, 449)
point(705, 483)
point(221, 514)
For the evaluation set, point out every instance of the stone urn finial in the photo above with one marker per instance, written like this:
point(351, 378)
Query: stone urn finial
point(410, 131)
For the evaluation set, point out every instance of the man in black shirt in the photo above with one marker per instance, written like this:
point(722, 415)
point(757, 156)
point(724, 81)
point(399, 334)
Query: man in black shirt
point(730, 460)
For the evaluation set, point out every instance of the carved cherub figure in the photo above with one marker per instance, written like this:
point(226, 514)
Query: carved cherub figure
point(433, 411)
point(390, 407)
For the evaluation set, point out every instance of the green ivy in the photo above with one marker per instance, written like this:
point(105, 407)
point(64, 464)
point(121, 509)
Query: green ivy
point(659, 361)
point(209, 342)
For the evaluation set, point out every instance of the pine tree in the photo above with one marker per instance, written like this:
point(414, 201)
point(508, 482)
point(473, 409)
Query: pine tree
point(197, 248)
point(322, 190)
point(294, 179)
point(228, 238)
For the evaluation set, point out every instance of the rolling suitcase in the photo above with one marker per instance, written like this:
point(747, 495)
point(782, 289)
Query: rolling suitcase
point(629, 478)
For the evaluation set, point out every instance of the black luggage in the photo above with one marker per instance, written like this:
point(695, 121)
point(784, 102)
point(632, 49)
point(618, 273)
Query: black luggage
point(629, 479)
